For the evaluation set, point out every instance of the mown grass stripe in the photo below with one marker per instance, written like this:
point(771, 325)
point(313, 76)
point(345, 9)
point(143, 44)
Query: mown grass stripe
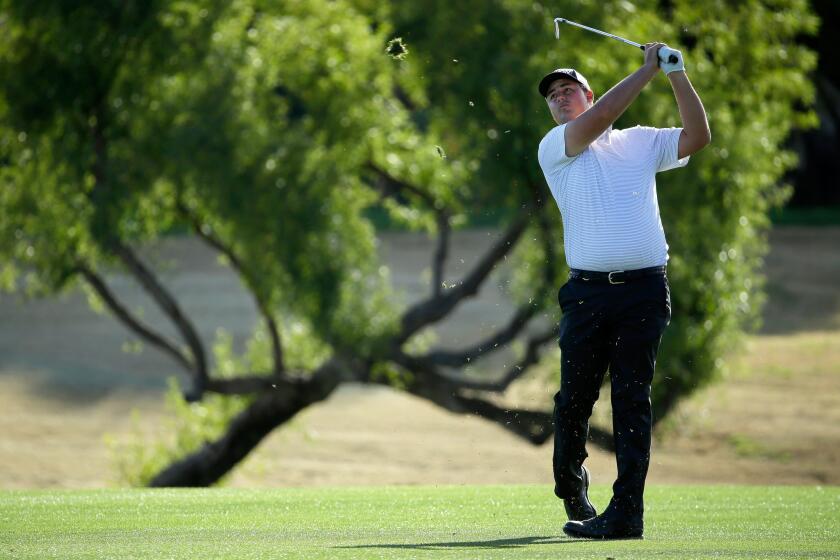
point(410, 522)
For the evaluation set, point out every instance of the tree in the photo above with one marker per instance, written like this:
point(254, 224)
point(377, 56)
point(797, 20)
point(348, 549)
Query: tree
point(818, 149)
point(269, 128)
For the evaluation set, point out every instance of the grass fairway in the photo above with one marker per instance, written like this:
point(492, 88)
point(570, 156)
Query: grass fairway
point(411, 522)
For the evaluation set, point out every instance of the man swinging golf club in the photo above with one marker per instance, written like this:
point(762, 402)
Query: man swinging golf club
point(616, 303)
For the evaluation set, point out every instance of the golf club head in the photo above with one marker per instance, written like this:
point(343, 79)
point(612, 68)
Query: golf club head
point(557, 22)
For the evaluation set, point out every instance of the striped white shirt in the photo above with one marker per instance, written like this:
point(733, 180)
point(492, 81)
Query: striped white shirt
point(607, 196)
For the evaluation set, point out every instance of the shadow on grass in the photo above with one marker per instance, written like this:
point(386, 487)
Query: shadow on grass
point(496, 543)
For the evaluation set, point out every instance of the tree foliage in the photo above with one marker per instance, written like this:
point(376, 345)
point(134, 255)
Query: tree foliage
point(269, 129)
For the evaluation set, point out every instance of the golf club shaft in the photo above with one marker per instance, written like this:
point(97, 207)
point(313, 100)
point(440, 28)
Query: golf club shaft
point(557, 21)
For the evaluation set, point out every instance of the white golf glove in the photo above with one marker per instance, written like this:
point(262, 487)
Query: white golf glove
point(664, 54)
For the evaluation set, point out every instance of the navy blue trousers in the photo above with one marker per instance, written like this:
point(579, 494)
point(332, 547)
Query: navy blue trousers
point(616, 328)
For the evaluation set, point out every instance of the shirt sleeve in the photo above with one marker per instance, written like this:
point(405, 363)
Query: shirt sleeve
point(552, 151)
point(666, 144)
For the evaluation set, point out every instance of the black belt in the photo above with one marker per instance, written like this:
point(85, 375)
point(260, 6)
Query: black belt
point(616, 276)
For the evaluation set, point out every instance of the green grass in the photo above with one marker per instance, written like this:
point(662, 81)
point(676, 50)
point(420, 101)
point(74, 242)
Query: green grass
point(472, 522)
point(746, 446)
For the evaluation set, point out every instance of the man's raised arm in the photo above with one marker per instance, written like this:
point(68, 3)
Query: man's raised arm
point(695, 134)
point(594, 121)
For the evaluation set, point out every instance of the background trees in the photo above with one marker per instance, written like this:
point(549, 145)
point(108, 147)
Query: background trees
point(818, 149)
point(271, 129)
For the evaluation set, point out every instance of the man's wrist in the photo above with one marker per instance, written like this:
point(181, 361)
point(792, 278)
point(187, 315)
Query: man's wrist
point(649, 71)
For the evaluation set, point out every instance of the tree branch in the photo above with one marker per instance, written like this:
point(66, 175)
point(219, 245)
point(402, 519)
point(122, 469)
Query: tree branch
point(236, 263)
point(429, 368)
point(142, 274)
point(169, 306)
point(517, 323)
point(245, 384)
point(390, 186)
point(602, 438)
point(445, 391)
point(532, 356)
point(498, 340)
point(433, 309)
point(209, 463)
point(125, 316)
point(403, 97)
point(441, 252)
point(533, 426)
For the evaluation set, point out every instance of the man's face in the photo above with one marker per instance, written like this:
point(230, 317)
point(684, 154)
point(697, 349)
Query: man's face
point(567, 100)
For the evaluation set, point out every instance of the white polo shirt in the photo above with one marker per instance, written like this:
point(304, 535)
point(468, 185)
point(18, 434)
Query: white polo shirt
point(607, 196)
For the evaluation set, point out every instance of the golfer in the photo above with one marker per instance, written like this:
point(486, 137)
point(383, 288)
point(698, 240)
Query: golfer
point(616, 303)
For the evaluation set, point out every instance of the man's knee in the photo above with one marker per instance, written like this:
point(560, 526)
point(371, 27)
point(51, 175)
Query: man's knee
point(630, 396)
point(574, 404)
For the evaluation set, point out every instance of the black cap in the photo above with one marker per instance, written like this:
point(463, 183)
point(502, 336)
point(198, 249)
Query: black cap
point(570, 73)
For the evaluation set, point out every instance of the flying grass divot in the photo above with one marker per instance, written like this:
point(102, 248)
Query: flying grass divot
point(396, 49)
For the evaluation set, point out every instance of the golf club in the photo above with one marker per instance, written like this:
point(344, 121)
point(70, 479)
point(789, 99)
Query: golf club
point(557, 21)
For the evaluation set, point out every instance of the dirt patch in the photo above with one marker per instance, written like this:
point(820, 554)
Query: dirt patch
point(64, 383)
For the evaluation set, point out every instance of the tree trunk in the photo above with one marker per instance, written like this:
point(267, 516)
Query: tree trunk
point(269, 410)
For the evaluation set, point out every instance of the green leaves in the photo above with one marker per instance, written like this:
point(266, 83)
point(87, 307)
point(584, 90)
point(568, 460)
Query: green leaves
point(263, 122)
point(260, 119)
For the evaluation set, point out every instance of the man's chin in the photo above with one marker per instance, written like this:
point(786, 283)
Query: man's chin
point(562, 117)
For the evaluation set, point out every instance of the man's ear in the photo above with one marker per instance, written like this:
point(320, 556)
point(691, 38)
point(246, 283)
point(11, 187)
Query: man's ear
point(589, 95)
